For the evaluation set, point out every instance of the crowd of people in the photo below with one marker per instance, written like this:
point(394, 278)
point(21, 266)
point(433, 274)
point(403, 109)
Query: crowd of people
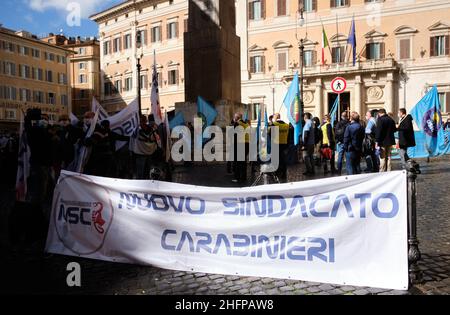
point(352, 138)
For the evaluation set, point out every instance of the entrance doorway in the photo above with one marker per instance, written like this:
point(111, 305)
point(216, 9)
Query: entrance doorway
point(343, 106)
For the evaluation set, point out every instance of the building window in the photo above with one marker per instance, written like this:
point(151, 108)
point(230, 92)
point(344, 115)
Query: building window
point(339, 3)
point(10, 114)
point(24, 71)
point(444, 99)
point(9, 68)
point(160, 79)
point(49, 56)
point(38, 97)
point(64, 100)
point(116, 45)
point(24, 51)
point(173, 77)
point(62, 78)
point(141, 38)
point(143, 81)
point(106, 48)
point(25, 95)
point(405, 48)
point(49, 76)
point(51, 98)
point(439, 46)
point(309, 5)
point(257, 64)
point(82, 78)
point(127, 41)
point(108, 88)
point(39, 74)
point(156, 34)
point(257, 9)
point(282, 61)
point(118, 86)
point(281, 7)
point(128, 84)
point(36, 53)
point(82, 66)
point(256, 108)
point(82, 51)
point(337, 54)
point(172, 30)
point(374, 51)
point(309, 58)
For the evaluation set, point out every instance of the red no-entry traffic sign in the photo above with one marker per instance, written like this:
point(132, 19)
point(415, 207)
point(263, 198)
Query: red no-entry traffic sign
point(338, 85)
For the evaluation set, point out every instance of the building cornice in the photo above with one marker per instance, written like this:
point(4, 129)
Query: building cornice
point(36, 41)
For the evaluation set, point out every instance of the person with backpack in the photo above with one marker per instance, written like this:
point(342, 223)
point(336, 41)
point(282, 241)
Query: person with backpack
point(369, 145)
point(339, 132)
point(353, 141)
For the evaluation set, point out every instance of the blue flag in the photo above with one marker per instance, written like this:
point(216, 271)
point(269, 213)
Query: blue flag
point(352, 40)
point(333, 112)
point(292, 104)
point(428, 117)
point(178, 120)
point(206, 111)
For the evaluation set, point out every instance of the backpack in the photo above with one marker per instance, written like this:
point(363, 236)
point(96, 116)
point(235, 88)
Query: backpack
point(340, 130)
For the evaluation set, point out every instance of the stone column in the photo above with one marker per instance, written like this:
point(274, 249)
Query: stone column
point(318, 99)
point(358, 96)
point(389, 93)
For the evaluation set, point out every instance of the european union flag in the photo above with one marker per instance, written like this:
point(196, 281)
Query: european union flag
point(206, 111)
point(178, 120)
point(428, 117)
point(352, 39)
point(292, 104)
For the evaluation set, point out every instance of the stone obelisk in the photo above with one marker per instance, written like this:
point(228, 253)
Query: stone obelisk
point(212, 53)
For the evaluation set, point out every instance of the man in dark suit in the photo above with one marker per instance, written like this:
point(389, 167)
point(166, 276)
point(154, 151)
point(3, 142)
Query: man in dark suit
point(385, 139)
point(406, 137)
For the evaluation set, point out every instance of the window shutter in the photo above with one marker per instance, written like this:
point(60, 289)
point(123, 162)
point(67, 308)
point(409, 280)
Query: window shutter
point(263, 9)
point(177, 31)
point(110, 47)
point(432, 45)
point(263, 64)
point(314, 5)
point(332, 4)
point(185, 25)
point(447, 45)
point(405, 52)
point(347, 2)
point(250, 11)
point(168, 31)
point(382, 50)
point(367, 52)
point(314, 61)
point(252, 64)
point(281, 7)
point(177, 77)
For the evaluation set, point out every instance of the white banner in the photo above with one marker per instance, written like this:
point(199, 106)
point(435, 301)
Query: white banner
point(125, 122)
point(342, 230)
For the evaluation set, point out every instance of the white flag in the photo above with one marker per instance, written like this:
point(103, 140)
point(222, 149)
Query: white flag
point(85, 151)
point(23, 167)
point(102, 113)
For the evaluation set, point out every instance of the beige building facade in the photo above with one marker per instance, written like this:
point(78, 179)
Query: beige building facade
point(402, 50)
point(33, 74)
point(160, 25)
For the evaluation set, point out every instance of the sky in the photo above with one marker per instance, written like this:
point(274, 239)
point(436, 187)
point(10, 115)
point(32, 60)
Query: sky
point(41, 17)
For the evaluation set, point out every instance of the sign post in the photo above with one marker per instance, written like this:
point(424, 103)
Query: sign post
point(338, 86)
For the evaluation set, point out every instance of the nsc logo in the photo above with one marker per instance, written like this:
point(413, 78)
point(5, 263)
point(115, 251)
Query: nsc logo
point(82, 221)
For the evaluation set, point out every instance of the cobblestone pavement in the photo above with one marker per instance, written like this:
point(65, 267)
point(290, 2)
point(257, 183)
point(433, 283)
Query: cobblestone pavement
point(28, 271)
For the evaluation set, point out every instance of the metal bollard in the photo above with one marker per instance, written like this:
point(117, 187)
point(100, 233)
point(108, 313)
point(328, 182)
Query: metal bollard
point(414, 255)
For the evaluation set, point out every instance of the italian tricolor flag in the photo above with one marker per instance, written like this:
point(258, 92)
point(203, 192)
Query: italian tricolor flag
point(325, 44)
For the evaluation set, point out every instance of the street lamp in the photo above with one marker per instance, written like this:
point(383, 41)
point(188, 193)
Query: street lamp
point(139, 67)
point(301, 47)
